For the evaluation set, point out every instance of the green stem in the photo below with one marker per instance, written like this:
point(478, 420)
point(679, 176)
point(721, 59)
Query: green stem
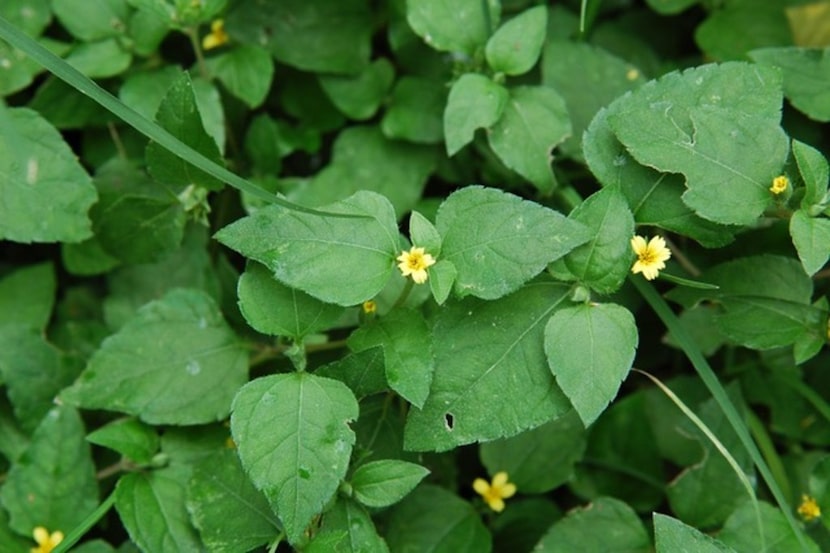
point(78, 532)
point(276, 543)
point(193, 34)
point(407, 288)
point(762, 438)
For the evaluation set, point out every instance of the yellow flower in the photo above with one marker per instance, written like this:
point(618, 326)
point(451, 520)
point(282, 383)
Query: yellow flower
point(809, 509)
point(651, 257)
point(415, 263)
point(46, 542)
point(217, 36)
point(779, 184)
point(495, 492)
point(370, 306)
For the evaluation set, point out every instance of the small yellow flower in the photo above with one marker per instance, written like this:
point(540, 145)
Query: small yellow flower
point(495, 492)
point(46, 542)
point(651, 257)
point(217, 36)
point(415, 263)
point(809, 509)
point(370, 307)
point(779, 184)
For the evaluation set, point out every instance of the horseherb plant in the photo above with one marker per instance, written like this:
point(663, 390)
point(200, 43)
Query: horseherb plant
point(414, 275)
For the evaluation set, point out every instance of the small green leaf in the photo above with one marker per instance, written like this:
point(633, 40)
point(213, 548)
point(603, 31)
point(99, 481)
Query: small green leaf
point(670, 7)
point(100, 59)
point(273, 308)
point(805, 77)
point(442, 277)
point(89, 21)
point(27, 296)
point(53, 483)
point(415, 111)
point(497, 241)
point(475, 102)
point(814, 172)
point(735, 28)
point(740, 532)
point(175, 362)
point(424, 234)
point(671, 535)
point(30, 16)
point(407, 350)
point(363, 372)
point(130, 437)
point(534, 120)
point(246, 71)
point(811, 237)
point(336, 259)
point(462, 26)
point(347, 528)
point(218, 487)
point(590, 349)
point(360, 96)
point(384, 483)
point(515, 46)
point(11, 540)
point(294, 441)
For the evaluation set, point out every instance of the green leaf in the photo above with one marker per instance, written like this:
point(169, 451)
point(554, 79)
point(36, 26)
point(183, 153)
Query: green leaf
point(100, 59)
point(607, 525)
point(811, 237)
point(604, 261)
point(360, 96)
point(179, 115)
point(740, 532)
point(272, 308)
point(338, 260)
point(462, 26)
point(415, 111)
point(363, 159)
point(442, 277)
point(92, 20)
point(27, 296)
point(144, 91)
point(739, 26)
point(330, 36)
point(541, 459)
point(805, 77)
point(497, 241)
point(475, 102)
point(814, 172)
point(347, 528)
point(590, 349)
point(246, 71)
point(407, 350)
point(534, 120)
point(424, 234)
point(129, 437)
point(175, 362)
point(66, 108)
point(520, 527)
point(30, 16)
point(218, 487)
point(491, 379)
point(152, 508)
point(294, 441)
point(434, 519)
point(670, 7)
point(363, 372)
point(14, 440)
point(53, 483)
point(384, 483)
point(12, 541)
point(700, 123)
point(46, 192)
point(515, 46)
point(671, 535)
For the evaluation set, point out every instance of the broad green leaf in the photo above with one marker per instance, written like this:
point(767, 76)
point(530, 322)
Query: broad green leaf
point(336, 259)
point(541, 459)
point(175, 362)
point(588, 78)
point(144, 90)
point(384, 483)
point(730, 32)
point(273, 308)
point(363, 372)
point(475, 102)
point(18, 72)
point(152, 508)
point(814, 172)
point(12, 541)
point(30, 16)
point(491, 379)
point(811, 237)
point(590, 349)
point(266, 144)
point(415, 111)
point(100, 59)
point(332, 36)
point(188, 445)
point(497, 241)
point(246, 71)
point(654, 198)
point(147, 29)
point(303, 98)
point(700, 124)
point(604, 261)
point(347, 528)
point(434, 519)
point(808, 345)
point(359, 96)
point(363, 159)
point(515, 46)
point(179, 114)
point(460, 26)
point(534, 120)
point(90, 20)
point(130, 437)
point(606, 525)
point(13, 439)
point(522, 525)
point(87, 258)
point(33, 370)
point(219, 487)
point(741, 533)
point(66, 108)
point(670, 7)
point(819, 483)
point(699, 322)
point(806, 77)
point(53, 483)
point(46, 193)
point(27, 296)
point(671, 535)
point(294, 441)
point(407, 350)
point(441, 280)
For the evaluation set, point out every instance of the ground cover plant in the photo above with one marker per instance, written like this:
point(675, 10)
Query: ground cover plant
point(414, 275)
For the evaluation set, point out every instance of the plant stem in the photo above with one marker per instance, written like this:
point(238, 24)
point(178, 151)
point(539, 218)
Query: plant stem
point(78, 532)
point(193, 34)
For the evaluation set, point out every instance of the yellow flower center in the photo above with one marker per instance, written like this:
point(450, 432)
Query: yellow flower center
point(496, 492)
point(779, 184)
point(370, 306)
point(415, 263)
point(651, 256)
point(809, 509)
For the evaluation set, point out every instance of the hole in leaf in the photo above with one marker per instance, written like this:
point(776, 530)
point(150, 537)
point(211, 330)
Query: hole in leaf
point(449, 420)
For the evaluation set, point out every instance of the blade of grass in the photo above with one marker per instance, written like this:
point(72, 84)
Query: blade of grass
point(710, 380)
point(78, 532)
point(84, 84)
